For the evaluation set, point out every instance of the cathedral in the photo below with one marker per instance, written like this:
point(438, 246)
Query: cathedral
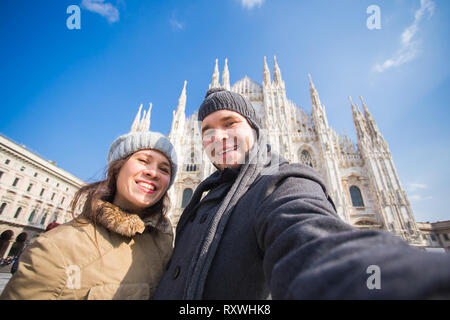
point(361, 177)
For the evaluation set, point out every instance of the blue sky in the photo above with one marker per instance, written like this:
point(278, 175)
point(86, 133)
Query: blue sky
point(67, 94)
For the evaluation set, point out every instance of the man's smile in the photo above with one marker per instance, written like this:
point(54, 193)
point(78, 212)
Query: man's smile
point(227, 150)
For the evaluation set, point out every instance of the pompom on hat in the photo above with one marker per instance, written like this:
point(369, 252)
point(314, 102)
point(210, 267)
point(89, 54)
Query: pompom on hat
point(140, 138)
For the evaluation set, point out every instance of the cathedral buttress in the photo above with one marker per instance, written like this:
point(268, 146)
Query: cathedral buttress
point(328, 151)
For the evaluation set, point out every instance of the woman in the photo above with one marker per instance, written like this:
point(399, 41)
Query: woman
point(117, 248)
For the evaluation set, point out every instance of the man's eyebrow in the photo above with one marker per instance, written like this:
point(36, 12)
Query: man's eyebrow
point(228, 118)
point(225, 119)
point(205, 128)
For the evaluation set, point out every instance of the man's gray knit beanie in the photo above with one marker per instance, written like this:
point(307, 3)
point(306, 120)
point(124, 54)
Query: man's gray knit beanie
point(139, 138)
point(221, 99)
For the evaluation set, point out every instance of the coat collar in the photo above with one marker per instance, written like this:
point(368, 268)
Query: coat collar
point(128, 224)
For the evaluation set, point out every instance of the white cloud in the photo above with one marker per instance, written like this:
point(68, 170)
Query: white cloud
point(412, 187)
point(418, 197)
point(409, 46)
point(176, 25)
point(249, 4)
point(106, 10)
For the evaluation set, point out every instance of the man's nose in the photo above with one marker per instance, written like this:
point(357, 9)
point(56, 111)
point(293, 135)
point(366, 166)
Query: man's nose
point(220, 135)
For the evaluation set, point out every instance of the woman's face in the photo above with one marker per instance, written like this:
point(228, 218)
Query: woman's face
point(142, 181)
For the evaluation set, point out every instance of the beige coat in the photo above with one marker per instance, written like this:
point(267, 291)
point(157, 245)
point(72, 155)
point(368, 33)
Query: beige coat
point(64, 263)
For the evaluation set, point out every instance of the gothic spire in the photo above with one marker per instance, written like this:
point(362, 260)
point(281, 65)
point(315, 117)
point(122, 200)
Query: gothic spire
point(366, 110)
point(215, 77)
point(357, 114)
point(135, 123)
point(266, 74)
point(311, 83)
point(182, 99)
point(141, 124)
point(371, 121)
point(276, 72)
point(359, 121)
point(314, 94)
point(179, 116)
point(146, 124)
point(354, 111)
point(226, 76)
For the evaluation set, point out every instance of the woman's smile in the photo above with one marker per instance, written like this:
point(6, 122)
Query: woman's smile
point(147, 187)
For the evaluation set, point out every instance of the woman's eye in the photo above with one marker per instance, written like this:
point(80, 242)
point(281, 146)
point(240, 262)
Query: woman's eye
point(142, 160)
point(165, 170)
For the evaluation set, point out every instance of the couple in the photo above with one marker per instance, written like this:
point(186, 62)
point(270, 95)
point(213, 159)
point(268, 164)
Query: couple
point(265, 228)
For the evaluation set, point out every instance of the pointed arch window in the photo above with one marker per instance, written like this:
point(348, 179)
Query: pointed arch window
point(191, 166)
point(305, 158)
point(44, 217)
point(2, 207)
point(357, 200)
point(16, 215)
point(31, 217)
point(187, 195)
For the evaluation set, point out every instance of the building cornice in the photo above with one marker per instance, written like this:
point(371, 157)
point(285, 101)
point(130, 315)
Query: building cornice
point(31, 158)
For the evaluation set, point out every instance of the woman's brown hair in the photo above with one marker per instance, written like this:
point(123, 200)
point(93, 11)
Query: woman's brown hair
point(105, 190)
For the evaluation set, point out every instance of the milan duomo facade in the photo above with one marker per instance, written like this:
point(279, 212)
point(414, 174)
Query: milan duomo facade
point(361, 178)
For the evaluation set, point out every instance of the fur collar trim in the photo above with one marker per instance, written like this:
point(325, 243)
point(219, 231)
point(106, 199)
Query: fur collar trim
point(128, 224)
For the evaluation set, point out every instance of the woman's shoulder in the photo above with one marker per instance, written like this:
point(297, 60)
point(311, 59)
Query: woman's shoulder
point(69, 232)
point(78, 238)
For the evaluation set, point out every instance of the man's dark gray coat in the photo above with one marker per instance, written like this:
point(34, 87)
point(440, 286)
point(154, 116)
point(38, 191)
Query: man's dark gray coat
point(284, 239)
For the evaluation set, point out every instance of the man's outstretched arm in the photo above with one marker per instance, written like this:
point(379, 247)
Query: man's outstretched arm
point(310, 253)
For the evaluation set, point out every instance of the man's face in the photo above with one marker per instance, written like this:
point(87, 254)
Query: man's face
point(227, 138)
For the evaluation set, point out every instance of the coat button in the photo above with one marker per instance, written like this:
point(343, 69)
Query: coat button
point(203, 218)
point(176, 272)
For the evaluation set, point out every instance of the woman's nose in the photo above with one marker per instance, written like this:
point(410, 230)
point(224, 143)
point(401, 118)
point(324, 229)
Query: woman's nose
point(151, 172)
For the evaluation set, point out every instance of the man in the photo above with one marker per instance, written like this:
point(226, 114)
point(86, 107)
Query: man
point(268, 228)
